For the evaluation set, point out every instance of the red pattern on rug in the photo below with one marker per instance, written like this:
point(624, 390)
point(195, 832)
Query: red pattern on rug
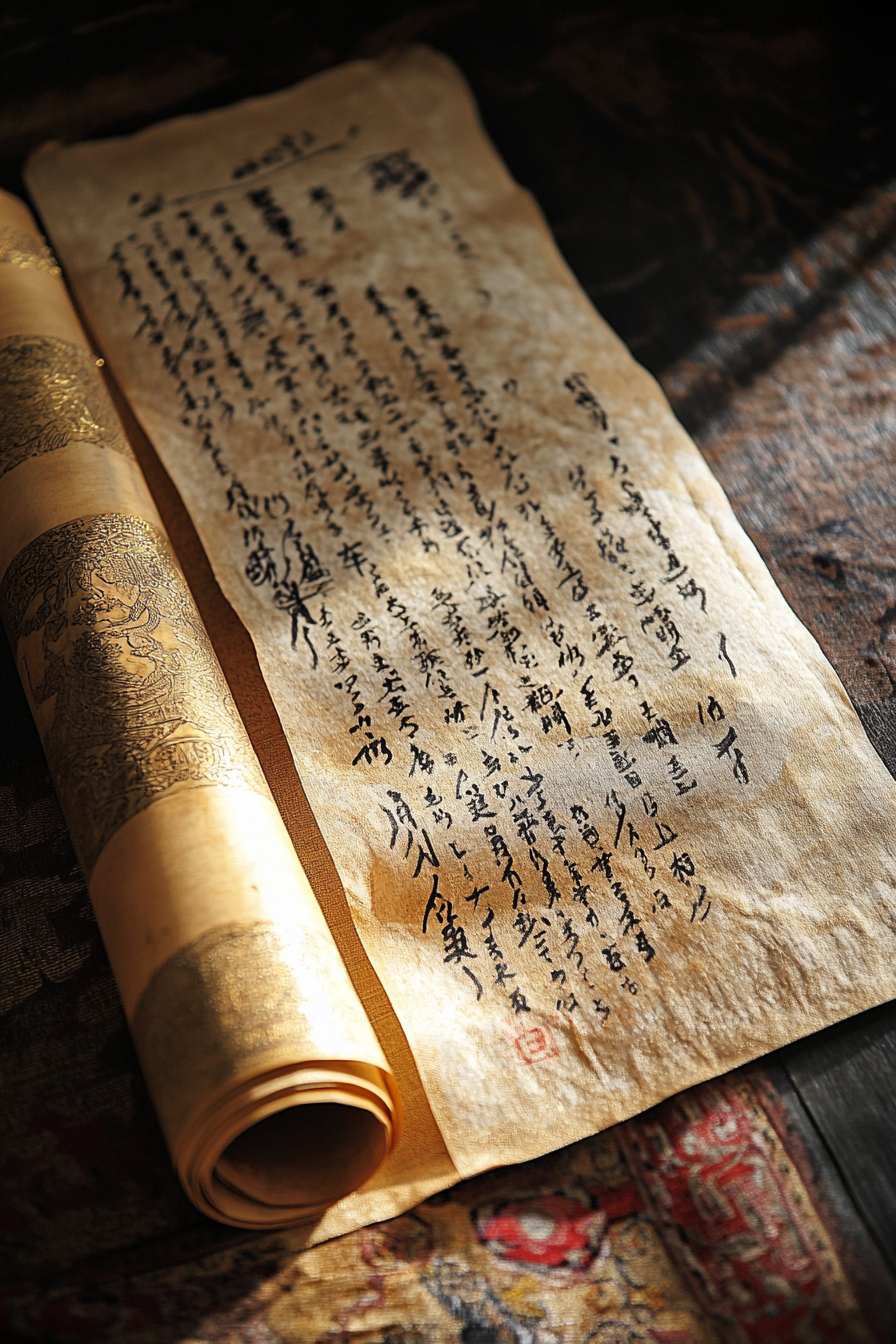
point(689, 1225)
point(736, 1217)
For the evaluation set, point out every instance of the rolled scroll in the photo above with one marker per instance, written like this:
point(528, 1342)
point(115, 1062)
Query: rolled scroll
point(272, 1090)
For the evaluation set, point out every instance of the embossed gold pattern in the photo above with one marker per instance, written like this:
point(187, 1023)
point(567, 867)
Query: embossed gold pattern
point(52, 394)
point(20, 249)
point(125, 687)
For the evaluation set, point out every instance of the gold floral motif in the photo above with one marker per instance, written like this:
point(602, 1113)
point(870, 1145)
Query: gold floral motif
point(127, 692)
point(21, 249)
point(52, 394)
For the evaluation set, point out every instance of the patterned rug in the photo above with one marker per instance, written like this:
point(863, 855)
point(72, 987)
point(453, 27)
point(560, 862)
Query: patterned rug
point(689, 1225)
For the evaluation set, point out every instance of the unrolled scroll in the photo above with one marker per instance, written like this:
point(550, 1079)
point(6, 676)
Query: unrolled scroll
point(272, 1090)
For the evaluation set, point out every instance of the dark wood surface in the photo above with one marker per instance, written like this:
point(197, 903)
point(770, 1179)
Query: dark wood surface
point(719, 178)
point(677, 151)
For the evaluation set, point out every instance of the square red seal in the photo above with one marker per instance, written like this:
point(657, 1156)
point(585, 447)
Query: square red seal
point(535, 1045)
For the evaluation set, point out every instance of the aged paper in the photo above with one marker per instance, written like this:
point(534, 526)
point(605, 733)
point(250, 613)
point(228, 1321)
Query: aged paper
point(268, 1080)
point(606, 821)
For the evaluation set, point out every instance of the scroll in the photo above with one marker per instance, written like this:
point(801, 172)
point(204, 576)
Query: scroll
point(272, 1090)
point(605, 822)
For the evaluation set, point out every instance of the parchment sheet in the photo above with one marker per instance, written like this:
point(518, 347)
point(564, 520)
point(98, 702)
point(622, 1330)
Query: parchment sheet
point(606, 821)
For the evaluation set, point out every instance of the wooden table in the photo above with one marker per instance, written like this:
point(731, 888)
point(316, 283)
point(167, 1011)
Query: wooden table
point(725, 189)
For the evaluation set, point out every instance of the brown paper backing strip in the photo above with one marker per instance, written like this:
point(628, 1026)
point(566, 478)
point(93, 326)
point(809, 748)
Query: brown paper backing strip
point(423, 1144)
